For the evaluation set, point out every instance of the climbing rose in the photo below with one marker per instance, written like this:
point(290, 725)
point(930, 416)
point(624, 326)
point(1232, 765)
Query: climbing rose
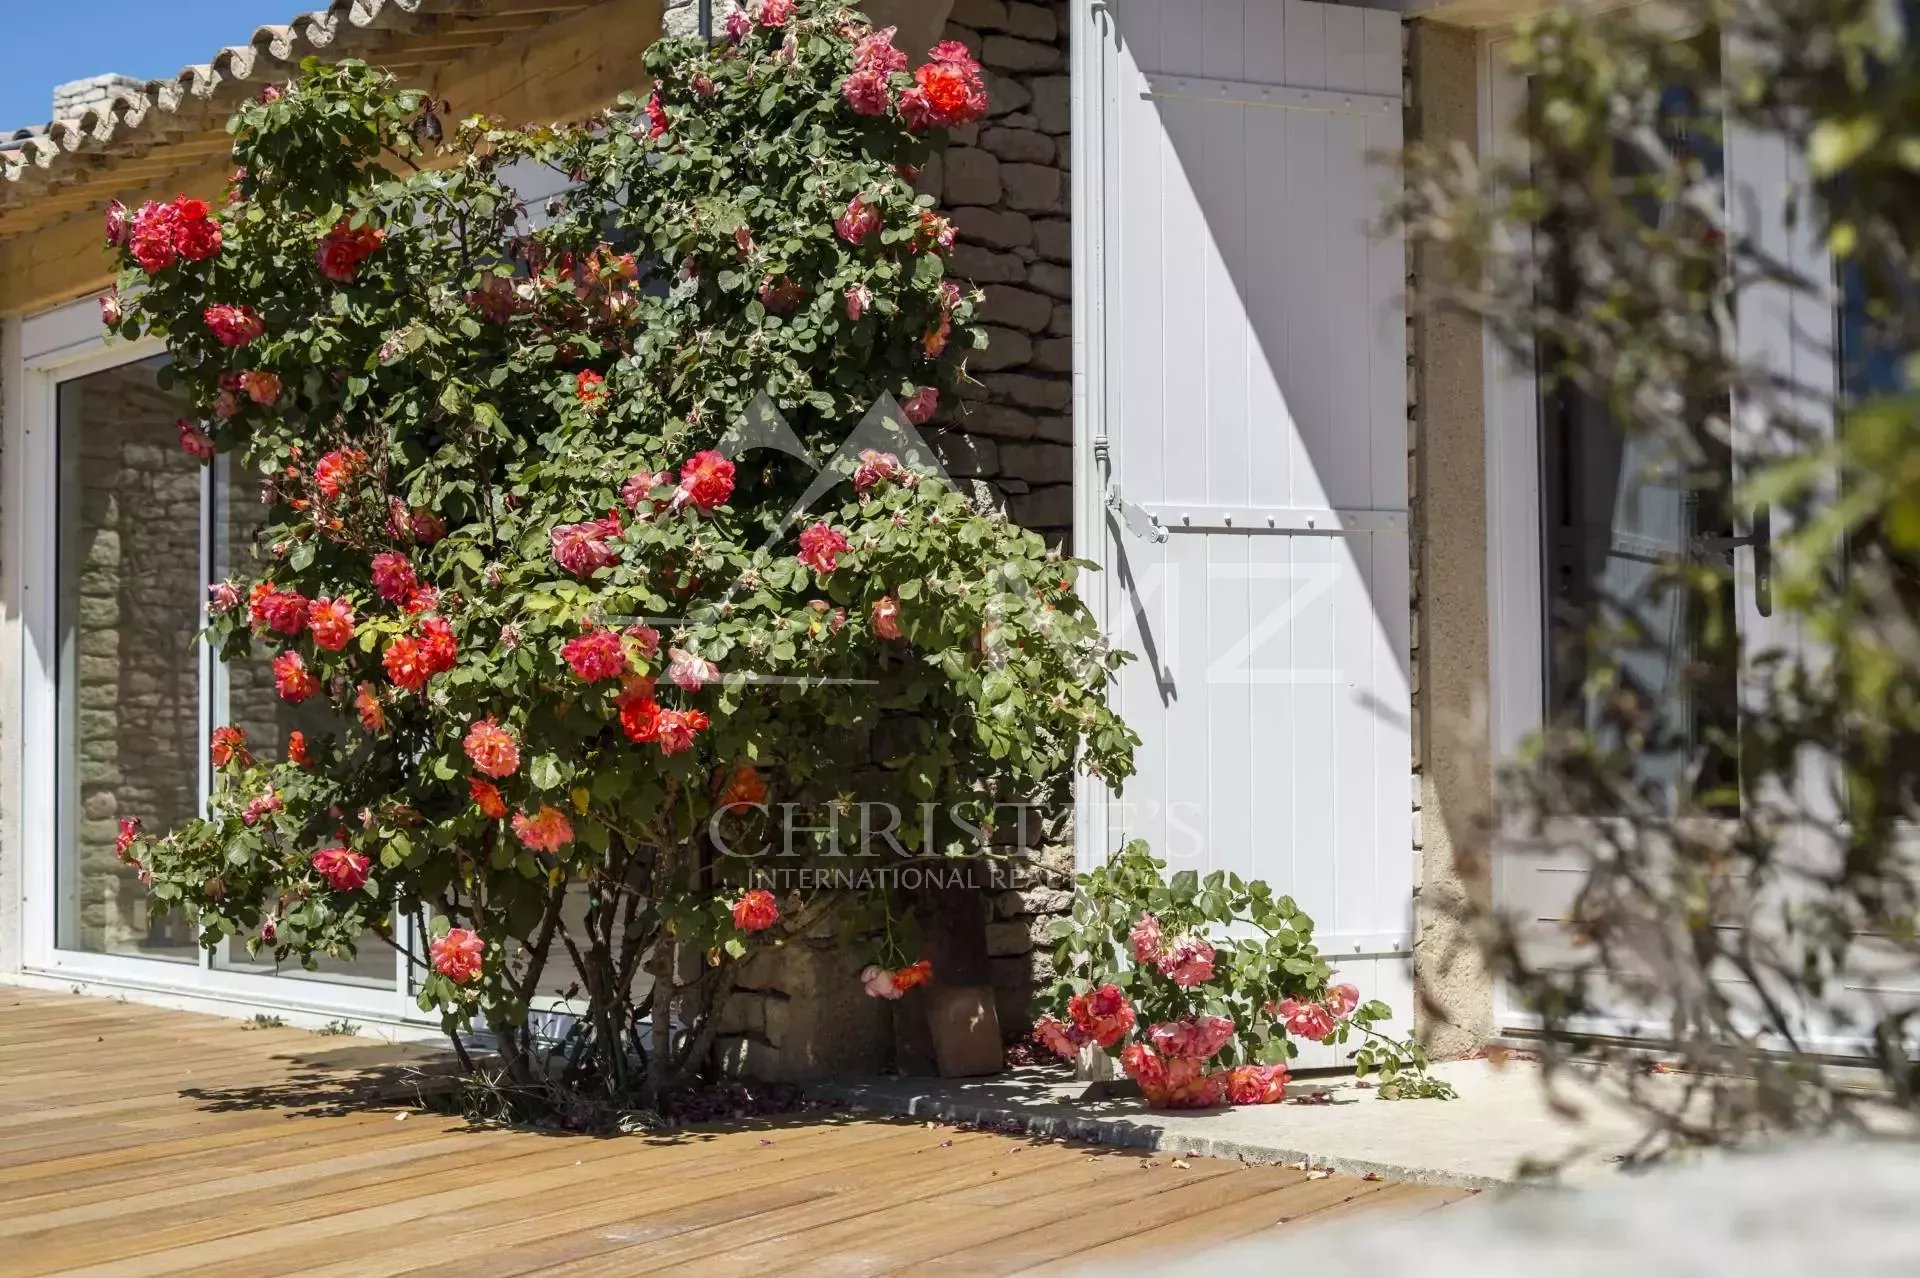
point(706, 481)
point(366, 705)
point(1198, 1036)
point(343, 248)
point(584, 548)
point(335, 470)
point(1256, 1084)
point(406, 664)
point(921, 404)
point(596, 655)
point(230, 744)
point(1148, 944)
point(425, 526)
point(677, 729)
point(939, 233)
point(886, 617)
point(820, 547)
point(547, 831)
point(776, 13)
point(916, 973)
point(150, 238)
point(874, 468)
point(1058, 1037)
point(859, 297)
point(875, 52)
point(291, 678)
point(1104, 1015)
point(486, 797)
point(260, 806)
point(234, 325)
point(223, 596)
point(458, 955)
point(657, 122)
point(110, 308)
point(640, 485)
point(330, 621)
point(1187, 961)
point(129, 831)
point(119, 224)
point(781, 295)
point(196, 236)
point(261, 387)
point(393, 578)
point(589, 386)
point(297, 750)
point(640, 719)
point(738, 23)
point(281, 611)
point(492, 748)
point(948, 91)
point(744, 788)
point(344, 871)
point(439, 650)
point(1143, 1067)
point(194, 441)
point(688, 672)
point(1304, 1018)
point(867, 92)
point(878, 982)
point(756, 911)
point(1341, 1000)
point(858, 223)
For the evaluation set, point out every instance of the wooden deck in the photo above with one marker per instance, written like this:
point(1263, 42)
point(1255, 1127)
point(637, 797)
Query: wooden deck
point(137, 1141)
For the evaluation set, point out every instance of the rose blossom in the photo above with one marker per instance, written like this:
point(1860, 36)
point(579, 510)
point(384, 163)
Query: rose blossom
point(859, 297)
point(393, 578)
point(875, 52)
point(583, 549)
point(344, 247)
point(640, 719)
point(292, 681)
point(336, 469)
point(775, 13)
point(706, 481)
point(886, 617)
point(229, 745)
point(196, 236)
point(595, 655)
point(913, 974)
point(330, 622)
point(677, 729)
point(261, 387)
point(119, 224)
point(867, 92)
point(589, 387)
point(858, 223)
point(657, 121)
point(920, 405)
point(876, 468)
point(297, 750)
point(458, 955)
point(1256, 1084)
point(947, 91)
point(756, 911)
point(129, 831)
point(486, 796)
point(194, 441)
point(439, 649)
point(343, 870)
point(1104, 1015)
point(150, 237)
point(261, 806)
point(406, 664)
point(1197, 1036)
point(820, 547)
point(689, 672)
point(223, 596)
point(492, 748)
point(1058, 1037)
point(366, 705)
point(1303, 1018)
point(780, 296)
point(1341, 1000)
point(110, 308)
point(1187, 961)
point(281, 611)
point(1148, 944)
point(546, 831)
point(640, 485)
point(878, 982)
point(744, 788)
point(234, 325)
point(738, 23)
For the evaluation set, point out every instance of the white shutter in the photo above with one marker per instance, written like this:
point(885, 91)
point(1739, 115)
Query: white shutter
point(1250, 409)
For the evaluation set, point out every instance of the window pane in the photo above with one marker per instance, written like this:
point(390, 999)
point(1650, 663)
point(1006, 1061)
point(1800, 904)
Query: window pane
point(128, 607)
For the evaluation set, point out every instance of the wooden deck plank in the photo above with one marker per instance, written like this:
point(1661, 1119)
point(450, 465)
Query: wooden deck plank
point(138, 1141)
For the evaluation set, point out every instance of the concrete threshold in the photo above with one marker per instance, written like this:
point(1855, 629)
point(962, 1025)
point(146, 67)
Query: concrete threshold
point(1503, 1125)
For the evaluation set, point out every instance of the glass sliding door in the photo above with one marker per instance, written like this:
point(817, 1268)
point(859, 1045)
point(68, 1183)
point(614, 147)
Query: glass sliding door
point(128, 569)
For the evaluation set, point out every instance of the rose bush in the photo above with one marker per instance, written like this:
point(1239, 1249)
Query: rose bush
point(584, 523)
point(1139, 957)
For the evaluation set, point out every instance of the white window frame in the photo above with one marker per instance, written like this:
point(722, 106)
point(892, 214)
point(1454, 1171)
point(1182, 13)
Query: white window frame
point(41, 352)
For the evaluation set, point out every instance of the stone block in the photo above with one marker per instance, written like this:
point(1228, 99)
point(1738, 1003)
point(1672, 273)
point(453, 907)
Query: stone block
point(1028, 391)
point(1061, 325)
point(995, 228)
point(1052, 279)
point(965, 456)
point(965, 35)
point(1005, 348)
point(1053, 354)
point(1051, 97)
point(1031, 22)
point(984, 266)
point(986, 15)
point(1038, 464)
point(1008, 938)
point(1016, 308)
point(972, 176)
point(1022, 970)
point(1005, 96)
point(1044, 507)
point(933, 178)
point(1011, 53)
point(1045, 900)
point(997, 421)
point(1053, 237)
point(1020, 146)
point(1034, 188)
point(1055, 430)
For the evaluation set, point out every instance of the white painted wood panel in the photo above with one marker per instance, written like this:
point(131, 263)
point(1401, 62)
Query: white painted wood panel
point(1259, 348)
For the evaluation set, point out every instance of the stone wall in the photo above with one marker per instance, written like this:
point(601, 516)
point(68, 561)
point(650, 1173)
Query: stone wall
point(76, 96)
